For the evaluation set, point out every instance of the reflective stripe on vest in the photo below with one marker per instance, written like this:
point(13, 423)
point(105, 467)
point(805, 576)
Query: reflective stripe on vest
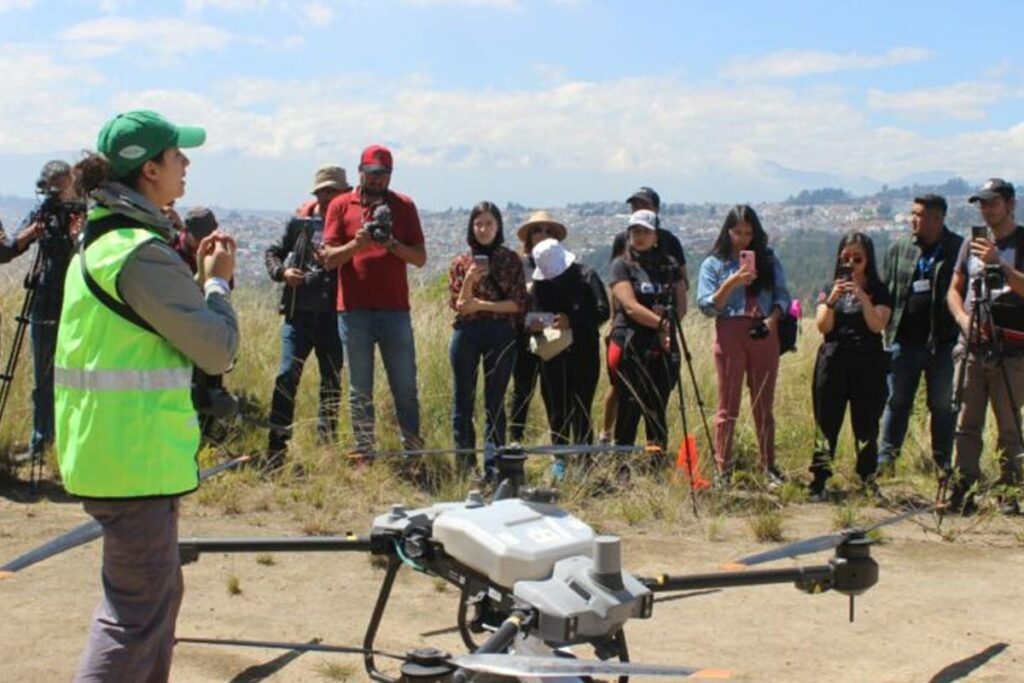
point(123, 380)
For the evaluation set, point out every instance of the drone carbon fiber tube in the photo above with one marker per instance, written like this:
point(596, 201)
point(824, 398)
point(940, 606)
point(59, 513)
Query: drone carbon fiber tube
point(498, 641)
point(191, 548)
point(752, 577)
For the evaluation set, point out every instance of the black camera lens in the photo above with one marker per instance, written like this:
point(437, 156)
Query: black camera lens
point(759, 330)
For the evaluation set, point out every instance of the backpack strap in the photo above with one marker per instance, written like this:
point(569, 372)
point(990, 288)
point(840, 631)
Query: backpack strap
point(93, 231)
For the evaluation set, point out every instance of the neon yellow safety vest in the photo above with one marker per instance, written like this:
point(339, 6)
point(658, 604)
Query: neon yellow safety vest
point(125, 423)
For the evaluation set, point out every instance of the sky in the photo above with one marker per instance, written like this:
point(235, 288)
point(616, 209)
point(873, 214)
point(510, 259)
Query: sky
point(540, 102)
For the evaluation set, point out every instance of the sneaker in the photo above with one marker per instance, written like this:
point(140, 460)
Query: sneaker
point(870, 487)
point(1009, 507)
point(774, 477)
point(961, 502)
point(605, 439)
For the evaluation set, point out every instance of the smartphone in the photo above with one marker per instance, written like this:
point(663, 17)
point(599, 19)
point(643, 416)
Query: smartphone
point(545, 319)
point(748, 259)
point(482, 261)
point(845, 272)
point(979, 232)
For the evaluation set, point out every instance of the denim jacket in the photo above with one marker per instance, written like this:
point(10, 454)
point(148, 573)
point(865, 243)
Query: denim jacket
point(714, 271)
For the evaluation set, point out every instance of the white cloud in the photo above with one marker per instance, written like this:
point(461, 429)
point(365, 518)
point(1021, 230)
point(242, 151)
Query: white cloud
point(226, 5)
point(961, 101)
point(499, 4)
point(11, 5)
point(167, 38)
point(318, 13)
point(796, 63)
point(43, 109)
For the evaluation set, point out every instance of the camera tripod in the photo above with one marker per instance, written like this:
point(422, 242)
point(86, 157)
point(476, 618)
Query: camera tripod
point(980, 325)
point(22, 320)
point(679, 339)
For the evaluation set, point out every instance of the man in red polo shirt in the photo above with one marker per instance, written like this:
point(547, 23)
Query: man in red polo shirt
point(371, 251)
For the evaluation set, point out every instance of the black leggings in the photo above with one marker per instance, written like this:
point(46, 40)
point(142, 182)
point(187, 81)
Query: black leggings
point(524, 381)
point(856, 375)
point(644, 382)
point(568, 383)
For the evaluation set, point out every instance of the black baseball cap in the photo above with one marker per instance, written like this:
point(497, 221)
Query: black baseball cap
point(645, 194)
point(52, 170)
point(994, 187)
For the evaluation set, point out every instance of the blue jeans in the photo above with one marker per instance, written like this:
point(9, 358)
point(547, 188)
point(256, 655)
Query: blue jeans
point(44, 345)
point(302, 333)
point(392, 331)
point(908, 362)
point(493, 342)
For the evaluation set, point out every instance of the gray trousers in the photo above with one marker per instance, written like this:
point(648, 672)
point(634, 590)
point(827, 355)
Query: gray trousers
point(984, 385)
point(132, 632)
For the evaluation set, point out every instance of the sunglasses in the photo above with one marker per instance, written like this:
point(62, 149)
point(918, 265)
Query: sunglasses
point(540, 230)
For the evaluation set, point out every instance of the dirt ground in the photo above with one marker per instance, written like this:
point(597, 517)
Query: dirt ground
point(942, 610)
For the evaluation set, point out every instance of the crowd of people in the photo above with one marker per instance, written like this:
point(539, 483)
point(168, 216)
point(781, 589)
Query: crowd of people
point(132, 328)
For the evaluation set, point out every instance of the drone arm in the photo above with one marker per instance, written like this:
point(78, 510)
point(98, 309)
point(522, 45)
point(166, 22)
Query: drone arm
point(190, 549)
point(817, 575)
point(498, 642)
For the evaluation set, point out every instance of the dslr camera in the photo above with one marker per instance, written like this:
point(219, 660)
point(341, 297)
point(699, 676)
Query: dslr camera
point(55, 213)
point(379, 225)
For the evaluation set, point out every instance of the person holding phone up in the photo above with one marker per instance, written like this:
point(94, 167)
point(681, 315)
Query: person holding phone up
point(851, 365)
point(488, 295)
point(747, 295)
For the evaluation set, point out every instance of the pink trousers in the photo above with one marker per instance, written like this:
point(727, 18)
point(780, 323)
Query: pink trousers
point(737, 355)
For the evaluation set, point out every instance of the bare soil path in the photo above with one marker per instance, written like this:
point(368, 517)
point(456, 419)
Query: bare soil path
point(942, 610)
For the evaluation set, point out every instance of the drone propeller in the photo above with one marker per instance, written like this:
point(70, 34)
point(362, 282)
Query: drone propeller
point(552, 667)
point(820, 543)
point(501, 664)
point(88, 531)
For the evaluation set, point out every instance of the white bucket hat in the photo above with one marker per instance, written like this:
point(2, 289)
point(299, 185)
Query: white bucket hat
point(551, 259)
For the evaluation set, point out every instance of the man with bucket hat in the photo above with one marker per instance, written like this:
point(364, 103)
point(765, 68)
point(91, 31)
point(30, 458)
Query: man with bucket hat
point(310, 322)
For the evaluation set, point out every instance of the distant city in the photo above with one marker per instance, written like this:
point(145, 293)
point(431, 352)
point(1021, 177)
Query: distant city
point(811, 214)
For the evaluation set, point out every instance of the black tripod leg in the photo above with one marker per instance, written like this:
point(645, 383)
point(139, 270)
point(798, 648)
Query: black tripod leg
point(696, 388)
point(677, 333)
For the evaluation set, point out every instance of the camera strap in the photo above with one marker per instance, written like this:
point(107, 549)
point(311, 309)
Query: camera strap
point(93, 231)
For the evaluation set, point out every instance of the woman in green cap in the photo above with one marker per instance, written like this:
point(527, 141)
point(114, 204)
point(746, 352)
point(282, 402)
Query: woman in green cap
point(133, 323)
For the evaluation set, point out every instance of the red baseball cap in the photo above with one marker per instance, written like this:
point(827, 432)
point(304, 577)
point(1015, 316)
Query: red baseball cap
point(376, 158)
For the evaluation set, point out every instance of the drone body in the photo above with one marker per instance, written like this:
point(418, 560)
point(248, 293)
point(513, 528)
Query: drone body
point(523, 554)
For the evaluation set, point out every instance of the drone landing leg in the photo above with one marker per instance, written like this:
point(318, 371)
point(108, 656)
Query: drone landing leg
point(394, 564)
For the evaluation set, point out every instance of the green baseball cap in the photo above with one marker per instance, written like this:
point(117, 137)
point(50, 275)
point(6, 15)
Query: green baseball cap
point(129, 140)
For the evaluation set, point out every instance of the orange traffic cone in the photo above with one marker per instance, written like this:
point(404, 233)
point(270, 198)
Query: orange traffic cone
point(688, 462)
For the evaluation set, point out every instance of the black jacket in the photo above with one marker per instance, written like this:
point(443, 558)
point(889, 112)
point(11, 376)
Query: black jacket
point(580, 294)
point(319, 293)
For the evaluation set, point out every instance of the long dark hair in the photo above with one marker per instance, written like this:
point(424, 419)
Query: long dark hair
point(870, 268)
point(765, 260)
point(499, 237)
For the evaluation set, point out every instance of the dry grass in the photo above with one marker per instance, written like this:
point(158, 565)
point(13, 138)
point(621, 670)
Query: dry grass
point(329, 496)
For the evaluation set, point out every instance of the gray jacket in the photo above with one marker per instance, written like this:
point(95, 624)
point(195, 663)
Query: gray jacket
point(157, 284)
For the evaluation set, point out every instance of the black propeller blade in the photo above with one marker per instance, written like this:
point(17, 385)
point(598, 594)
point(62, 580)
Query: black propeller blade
point(88, 531)
point(552, 667)
point(509, 451)
point(301, 647)
point(820, 543)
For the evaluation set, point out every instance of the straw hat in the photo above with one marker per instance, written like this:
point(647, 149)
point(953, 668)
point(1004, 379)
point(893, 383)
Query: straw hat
point(558, 230)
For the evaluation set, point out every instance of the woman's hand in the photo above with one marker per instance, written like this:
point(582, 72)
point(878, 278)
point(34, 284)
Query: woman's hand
point(467, 306)
point(561, 322)
point(744, 276)
point(839, 288)
point(474, 274)
point(215, 256)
